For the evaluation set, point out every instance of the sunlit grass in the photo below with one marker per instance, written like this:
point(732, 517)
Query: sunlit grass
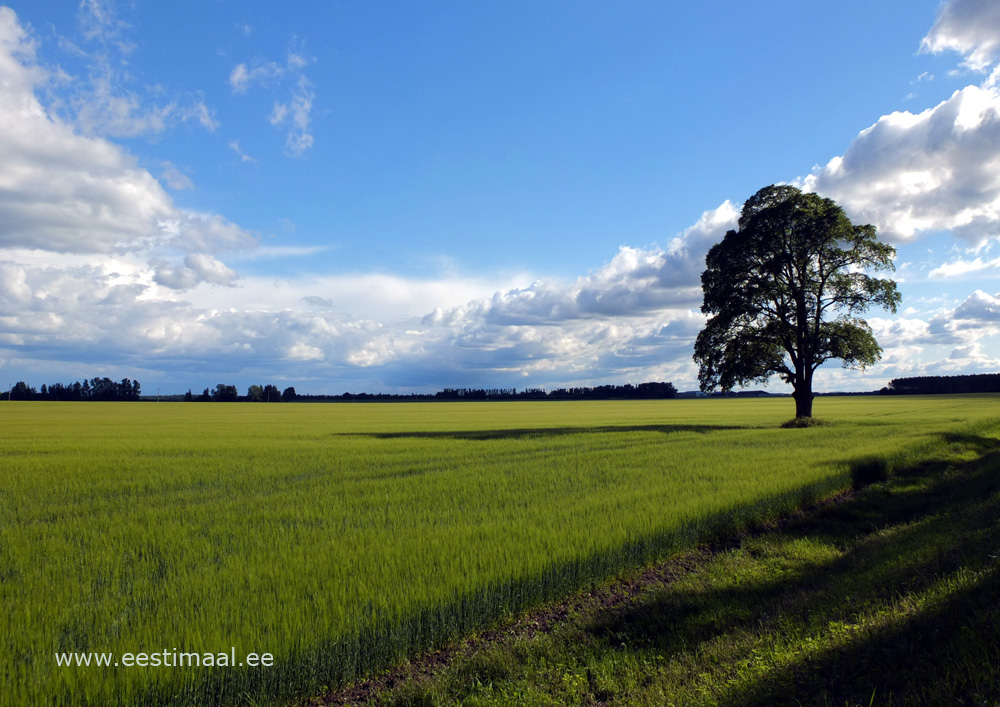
point(342, 537)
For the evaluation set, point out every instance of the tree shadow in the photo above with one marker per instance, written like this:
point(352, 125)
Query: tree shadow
point(923, 552)
point(541, 432)
point(947, 654)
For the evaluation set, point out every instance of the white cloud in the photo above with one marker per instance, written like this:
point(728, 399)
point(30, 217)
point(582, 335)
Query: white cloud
point(296, 110)
point(241, 78)
point(937, 170)
point(14, 283)
point(201, 114)
point(234, 145)
point(99, 20)
point(960, 267)
point(82, 201)
point(98, 264)
point(278, 114)
point(369, 296)
point(902, 331)
point(979, 308)
point(197, 268)
point(969, 27)
point(174, 177)
point(299, 114)
point(270, 252)
point(635, 282)
point(633, 318)
point(103, 102)
point(192, 231)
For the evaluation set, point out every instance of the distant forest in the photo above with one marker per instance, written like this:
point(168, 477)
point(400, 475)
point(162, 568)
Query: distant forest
point(930, 385)
point(128, 389)
point(93, 389)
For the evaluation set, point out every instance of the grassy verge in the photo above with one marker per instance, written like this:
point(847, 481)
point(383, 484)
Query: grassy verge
point(887, 596)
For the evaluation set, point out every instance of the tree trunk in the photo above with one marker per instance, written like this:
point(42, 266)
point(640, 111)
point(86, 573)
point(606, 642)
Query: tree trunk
point(803, 404)
point(803, 395)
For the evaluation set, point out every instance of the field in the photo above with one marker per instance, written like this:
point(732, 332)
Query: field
point(341, 538)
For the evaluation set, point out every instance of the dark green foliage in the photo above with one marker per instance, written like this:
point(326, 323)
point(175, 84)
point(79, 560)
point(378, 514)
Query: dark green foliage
point(784, 293)
point(21, 391)
point(225, 393)
point(272, 394)
point(101, 389)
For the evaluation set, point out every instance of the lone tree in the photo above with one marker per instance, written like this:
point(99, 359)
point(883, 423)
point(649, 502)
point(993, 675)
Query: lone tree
point(784, 292)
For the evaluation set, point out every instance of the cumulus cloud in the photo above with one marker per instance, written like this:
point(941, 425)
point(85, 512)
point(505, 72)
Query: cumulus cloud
point(979, 308)
point(937, 170)
point(948, 341)
point(969, 27)
point(122, 308)
point(903, 331)
point(197, 268)
point(636, 281)
point(62, 192)
point(635, 317)
point(98, 263)
point(14, 283)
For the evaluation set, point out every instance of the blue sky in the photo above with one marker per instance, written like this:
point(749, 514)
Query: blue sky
point(410, 196)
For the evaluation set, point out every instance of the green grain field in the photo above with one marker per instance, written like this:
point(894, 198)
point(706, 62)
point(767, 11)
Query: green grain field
point(342, 538)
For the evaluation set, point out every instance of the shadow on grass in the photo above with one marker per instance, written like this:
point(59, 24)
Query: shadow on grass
point(541, 432)
point(890, 598)
point(947, 653)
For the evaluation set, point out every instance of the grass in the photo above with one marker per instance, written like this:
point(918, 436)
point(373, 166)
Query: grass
point(888, 597)
point(345, 538)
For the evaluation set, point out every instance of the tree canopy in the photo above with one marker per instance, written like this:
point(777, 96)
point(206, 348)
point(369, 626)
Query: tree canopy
point(784, 293)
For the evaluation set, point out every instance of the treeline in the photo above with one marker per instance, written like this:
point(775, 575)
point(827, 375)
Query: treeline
point(935, 385)
point(223, 393)
point(93, 389)
point(643, 391)
point(127, 389)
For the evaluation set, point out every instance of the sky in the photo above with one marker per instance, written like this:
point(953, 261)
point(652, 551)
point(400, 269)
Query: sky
point(363, 196)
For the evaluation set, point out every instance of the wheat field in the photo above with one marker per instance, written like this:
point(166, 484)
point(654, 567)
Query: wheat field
point(341, 538)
